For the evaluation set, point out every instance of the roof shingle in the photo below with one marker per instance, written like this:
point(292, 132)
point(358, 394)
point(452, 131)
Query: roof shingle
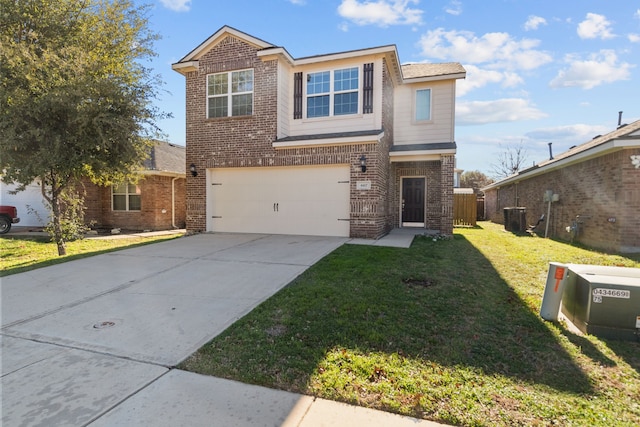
point(413, 71)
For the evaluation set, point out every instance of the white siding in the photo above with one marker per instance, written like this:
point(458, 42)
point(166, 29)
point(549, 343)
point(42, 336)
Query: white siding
point(347, 123)
point(439, 128)
point(285, 99)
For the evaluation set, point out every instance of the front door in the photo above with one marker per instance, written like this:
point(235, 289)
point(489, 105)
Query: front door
point(413, 202)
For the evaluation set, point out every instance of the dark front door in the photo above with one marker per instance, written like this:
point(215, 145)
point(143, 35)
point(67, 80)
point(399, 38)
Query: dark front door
point(413, 200)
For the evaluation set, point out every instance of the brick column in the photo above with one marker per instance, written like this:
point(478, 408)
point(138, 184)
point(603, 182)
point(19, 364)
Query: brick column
point(447, 162)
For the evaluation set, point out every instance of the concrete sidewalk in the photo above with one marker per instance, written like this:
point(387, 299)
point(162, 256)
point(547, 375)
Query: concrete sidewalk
point(94, 341)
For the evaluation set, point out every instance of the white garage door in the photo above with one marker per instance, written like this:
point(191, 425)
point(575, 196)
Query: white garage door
point(279, 200)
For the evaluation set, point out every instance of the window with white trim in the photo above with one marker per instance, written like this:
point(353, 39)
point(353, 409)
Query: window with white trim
point(230, 94)
point(423, 105)
point(333, 93)
point(125, 197)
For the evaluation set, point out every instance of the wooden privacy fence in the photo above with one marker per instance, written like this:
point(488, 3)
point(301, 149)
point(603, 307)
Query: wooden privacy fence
point(465, 209)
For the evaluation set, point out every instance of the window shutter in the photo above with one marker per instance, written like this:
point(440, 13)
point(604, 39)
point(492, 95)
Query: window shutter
point(297, 95)
point(367, 89)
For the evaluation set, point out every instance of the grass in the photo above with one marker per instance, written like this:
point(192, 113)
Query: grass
point(447, 330)
point(23, 253)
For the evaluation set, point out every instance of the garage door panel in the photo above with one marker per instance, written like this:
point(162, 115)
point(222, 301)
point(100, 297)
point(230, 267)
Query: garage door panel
point(288, 200)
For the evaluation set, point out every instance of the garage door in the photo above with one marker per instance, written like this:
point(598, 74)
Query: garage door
point(280, 200)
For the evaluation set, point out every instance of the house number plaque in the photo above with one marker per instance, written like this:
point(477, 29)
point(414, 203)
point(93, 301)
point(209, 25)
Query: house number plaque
point(363, 185)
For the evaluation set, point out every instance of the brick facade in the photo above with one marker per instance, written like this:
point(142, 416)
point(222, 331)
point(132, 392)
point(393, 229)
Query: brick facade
point(247, 142)
point(155, 200)
point(603, 191)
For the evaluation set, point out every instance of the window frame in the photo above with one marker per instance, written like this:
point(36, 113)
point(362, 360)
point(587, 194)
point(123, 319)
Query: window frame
point(127, 194)
point(415, 118)
point(229, 94)
point(332, 93)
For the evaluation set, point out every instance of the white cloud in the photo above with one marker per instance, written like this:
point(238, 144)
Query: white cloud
point(600, 68)
point(595, 27)
point(380, 12)
point(534, 22)
point(577, 133)
point(634, 38)
point(478, 77)
point(499, 110)
point(498, 50)
point(637, 14)
point(454, 8)
point(299, 2)
point(177, 5)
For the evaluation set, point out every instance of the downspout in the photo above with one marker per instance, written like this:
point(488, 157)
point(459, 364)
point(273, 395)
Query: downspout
point(173, 202)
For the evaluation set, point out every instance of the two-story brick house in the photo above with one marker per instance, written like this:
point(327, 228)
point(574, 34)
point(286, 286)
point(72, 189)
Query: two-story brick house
point(343, 144)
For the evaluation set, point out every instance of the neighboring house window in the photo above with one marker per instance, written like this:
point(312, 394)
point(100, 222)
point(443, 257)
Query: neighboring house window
point(332, 93)
point(423, 105)
point(230, 94)
point(126, 197)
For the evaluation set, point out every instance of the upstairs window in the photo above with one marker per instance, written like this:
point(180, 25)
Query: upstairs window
point(126, 197)
point(333, 93)
point(345, 86)
point(230, 94)
point(423, 105)
point(318, 94)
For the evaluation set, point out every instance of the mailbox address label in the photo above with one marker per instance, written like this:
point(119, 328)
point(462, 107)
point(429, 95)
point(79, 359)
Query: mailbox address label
point(612, 293)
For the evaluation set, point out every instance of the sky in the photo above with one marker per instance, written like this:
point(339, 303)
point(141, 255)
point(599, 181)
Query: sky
point(538, 71)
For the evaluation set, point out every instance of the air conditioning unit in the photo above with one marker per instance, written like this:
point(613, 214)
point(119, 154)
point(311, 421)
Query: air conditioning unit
point(515, 219)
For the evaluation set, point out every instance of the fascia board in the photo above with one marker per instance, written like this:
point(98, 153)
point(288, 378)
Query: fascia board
point(276, 52)
point(185, 67)
point(435, 78)
point(322, 142)
point(345, 55)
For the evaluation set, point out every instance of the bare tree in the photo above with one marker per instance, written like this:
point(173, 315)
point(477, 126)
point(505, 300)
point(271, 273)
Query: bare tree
point(510, 161)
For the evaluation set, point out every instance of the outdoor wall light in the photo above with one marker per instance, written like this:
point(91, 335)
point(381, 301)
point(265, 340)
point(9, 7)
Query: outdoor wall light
point(192, 169)
point(363, 163)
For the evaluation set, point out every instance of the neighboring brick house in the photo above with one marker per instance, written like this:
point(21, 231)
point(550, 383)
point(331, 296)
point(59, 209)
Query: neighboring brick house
point(344, 144)
point(598, 188)
point(156, 202)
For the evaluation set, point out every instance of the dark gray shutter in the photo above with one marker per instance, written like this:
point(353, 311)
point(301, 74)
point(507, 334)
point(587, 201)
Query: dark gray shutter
point(297, 95)
point(367, 89)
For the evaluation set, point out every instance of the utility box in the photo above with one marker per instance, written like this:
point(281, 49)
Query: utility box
point(603, 301)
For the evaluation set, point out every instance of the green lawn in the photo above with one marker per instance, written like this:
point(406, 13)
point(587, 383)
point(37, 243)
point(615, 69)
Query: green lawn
point(447, 330)
point(20, 253)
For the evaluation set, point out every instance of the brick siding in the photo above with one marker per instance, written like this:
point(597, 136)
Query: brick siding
point(603, 191)
point(431, 171)
point(155, 197)
point(247, 141)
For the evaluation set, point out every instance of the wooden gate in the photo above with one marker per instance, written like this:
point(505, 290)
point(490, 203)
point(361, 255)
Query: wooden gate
point(465, 209)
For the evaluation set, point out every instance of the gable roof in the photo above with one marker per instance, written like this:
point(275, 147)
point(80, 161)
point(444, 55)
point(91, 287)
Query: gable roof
point(409, 73)
point(166, 158)
point(215, 38)
point(624, 136)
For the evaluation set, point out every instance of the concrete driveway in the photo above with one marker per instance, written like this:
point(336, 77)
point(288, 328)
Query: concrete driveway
point(80, 338)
